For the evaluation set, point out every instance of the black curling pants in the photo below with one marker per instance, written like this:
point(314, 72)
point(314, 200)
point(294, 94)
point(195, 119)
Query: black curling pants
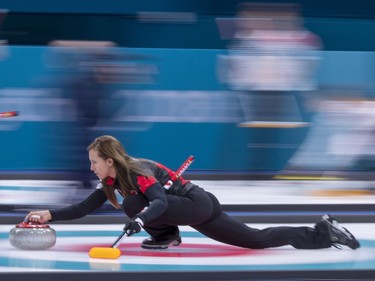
point(202, 211)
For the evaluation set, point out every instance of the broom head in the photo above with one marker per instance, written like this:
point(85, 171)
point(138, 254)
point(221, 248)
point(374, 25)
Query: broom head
point(104, 253)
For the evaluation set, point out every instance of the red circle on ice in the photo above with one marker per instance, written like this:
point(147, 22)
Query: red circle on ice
point(184, 250)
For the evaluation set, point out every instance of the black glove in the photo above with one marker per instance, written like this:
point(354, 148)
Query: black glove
point(133, 226)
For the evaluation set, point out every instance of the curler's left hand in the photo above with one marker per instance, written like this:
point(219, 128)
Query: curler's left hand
point(133, 226)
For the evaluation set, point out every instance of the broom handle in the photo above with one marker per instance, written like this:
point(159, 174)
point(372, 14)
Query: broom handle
point(180, 171)
point(115, 244)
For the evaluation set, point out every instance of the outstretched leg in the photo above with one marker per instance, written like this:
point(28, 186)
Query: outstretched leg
point(229, 230)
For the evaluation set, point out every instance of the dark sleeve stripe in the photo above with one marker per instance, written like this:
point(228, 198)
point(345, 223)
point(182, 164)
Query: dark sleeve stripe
point(170, 172)
point(172, 175)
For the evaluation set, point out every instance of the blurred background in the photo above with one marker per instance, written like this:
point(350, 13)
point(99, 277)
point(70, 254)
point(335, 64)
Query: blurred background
point(262, 93)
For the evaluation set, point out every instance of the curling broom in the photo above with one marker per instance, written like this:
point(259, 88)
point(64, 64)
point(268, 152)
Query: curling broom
point(113, 252)
point(8, 114)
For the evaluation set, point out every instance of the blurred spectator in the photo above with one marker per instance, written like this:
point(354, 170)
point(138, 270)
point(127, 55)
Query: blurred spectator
point(79, 78)
point(85, 72)
point(271, 57)
point(341, 137)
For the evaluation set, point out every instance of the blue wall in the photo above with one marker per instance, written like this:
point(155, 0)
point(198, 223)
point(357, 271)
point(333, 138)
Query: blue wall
point(200, 114)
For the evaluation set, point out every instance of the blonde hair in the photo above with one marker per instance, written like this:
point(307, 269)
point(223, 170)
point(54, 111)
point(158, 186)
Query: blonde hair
point(125, 166)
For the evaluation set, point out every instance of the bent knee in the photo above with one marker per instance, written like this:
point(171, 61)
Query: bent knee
point(133, 204)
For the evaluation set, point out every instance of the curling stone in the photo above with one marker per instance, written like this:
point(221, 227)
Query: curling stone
point(32, 236)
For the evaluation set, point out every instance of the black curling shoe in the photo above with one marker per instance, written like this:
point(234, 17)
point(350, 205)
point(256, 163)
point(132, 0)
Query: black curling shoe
point(154, 244)
point(339, 235)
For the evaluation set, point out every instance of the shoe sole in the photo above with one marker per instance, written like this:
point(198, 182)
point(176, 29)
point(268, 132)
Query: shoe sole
point(161, 247)
point(346, 232)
